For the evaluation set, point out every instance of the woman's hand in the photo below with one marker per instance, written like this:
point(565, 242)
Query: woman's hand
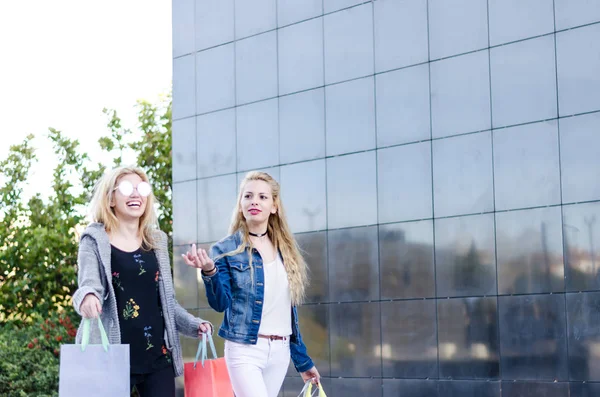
point(90, 307)
point(199, 259)
point(204, 328)
point(311, 374)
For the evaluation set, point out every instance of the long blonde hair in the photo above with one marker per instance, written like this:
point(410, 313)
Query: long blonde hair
point(280, 234)
point(102, 212)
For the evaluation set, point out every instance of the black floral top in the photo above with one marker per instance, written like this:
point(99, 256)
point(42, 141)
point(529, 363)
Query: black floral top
point(135, 281)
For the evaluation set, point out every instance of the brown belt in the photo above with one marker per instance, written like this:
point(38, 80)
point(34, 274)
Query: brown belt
point(273, 337)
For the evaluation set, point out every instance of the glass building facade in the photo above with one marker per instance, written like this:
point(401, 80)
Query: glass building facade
point(439, 161)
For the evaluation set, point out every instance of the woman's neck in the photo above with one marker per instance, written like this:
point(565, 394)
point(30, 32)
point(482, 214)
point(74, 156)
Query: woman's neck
point(128, 230)
point(259, 228)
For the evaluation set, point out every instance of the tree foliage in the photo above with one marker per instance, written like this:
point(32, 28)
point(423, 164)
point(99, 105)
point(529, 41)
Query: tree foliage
point(39, 237)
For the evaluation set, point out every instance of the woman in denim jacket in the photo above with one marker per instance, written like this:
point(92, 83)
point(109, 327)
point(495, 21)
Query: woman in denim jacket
point(257, 276)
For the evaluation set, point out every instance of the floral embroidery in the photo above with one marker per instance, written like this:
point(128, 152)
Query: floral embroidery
point(166, 353)
point(117, 281)
point(131, 310)
point(138, 259)
point(148, 335)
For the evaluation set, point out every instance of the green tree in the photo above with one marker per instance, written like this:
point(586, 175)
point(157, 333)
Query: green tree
point(38, 240)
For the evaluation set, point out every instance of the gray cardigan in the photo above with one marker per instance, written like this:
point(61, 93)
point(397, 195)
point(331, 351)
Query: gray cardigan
point(94, 254)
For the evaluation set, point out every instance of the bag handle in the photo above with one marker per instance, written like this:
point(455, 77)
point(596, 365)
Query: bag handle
point(308, 392)
point(202, 350)
point(85, 337)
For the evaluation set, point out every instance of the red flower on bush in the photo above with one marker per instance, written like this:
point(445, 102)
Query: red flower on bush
point(30, 345)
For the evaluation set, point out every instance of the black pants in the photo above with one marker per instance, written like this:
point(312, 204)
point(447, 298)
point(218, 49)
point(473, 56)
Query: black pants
point(157, 384)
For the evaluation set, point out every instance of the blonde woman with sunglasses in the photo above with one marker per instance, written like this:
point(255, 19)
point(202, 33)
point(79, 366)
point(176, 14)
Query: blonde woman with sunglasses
point(124, 279)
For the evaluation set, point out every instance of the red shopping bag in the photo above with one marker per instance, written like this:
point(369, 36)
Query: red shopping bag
point(210, 379)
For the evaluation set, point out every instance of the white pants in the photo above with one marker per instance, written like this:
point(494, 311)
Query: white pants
point(257, 370)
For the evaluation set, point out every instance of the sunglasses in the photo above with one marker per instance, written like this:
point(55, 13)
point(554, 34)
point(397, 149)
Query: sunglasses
point(126, 188)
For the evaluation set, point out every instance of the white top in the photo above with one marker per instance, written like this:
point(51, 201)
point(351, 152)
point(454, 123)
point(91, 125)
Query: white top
point(277, 305)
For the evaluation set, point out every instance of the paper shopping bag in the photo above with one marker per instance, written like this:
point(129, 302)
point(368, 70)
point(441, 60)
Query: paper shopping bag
point(210, 378)
point(94, 370)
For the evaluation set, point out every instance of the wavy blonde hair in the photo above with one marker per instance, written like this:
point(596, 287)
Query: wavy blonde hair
point(102, 212)
point(280, 234)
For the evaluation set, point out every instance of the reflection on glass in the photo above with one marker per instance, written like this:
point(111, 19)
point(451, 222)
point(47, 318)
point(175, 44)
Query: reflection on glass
point(257, 135)
point(356, 387)
point(403, 114)
point(584, 335)
point(400, 33)
point(530, 254)
point(466, 388)
point(406, 252)
point(404, 183)
point(462, 175)
point(216, 198)
point(314, 250)
point(215, 79)
point(185, 209)
point(512, 20)
point(571, 13)
point(457, 27)
point(184, 149)
point(531, 147)
point(314, 325)
point(465, 256)
point(302, 126)
point(579, 143)
point(578, 66)
point(460, 94)
point(353, 264)
point(468, 338)
point(290, 11)
point(216, 143)
point(585, 389)
point(300, 56)
point(533, 337)
point(252, 17)
point(523, 82)
point(303, 188)
point(214, 23)
point(535, 389)
point(351, 190)
point(349, 44)
point(183, 92)
point(184, 280)
point(355, 340)
point(581, 229)
point(350, 116)
point(409, 339)
point(256, 68)
point(410, 388)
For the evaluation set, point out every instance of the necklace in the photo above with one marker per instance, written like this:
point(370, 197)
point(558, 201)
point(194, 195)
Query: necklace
point(257, 235)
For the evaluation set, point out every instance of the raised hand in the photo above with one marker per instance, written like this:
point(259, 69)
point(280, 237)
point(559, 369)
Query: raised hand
point(199, 259)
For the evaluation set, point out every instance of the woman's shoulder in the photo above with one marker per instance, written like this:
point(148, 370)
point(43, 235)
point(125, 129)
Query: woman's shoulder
point(95, 231)
point(227, 243)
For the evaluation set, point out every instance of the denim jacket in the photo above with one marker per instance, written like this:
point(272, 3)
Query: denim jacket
point(232, 291)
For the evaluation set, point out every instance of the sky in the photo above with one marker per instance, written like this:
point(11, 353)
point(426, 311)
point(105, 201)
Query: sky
point(63, 61)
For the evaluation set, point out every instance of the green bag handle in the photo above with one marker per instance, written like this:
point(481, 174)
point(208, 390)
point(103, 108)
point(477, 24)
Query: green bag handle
point(85, 337)
point(202, 350)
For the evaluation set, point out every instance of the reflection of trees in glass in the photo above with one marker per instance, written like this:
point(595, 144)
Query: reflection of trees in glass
point(470, 271)
point(580, 248)
point(407, 266)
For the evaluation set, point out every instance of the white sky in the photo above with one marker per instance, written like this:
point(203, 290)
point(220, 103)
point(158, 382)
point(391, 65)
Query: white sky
point(63, 61)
